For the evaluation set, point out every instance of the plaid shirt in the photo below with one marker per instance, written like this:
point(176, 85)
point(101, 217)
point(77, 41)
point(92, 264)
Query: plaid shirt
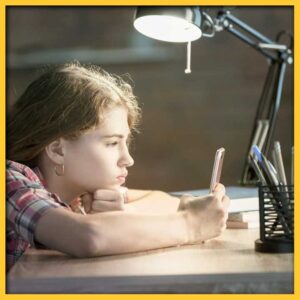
point(26, 201)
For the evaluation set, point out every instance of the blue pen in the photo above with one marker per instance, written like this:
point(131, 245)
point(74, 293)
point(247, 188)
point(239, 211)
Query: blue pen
point(257, 170)
point(264, 163)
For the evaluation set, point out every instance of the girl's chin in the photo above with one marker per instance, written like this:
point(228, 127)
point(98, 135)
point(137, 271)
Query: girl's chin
point(114, 187)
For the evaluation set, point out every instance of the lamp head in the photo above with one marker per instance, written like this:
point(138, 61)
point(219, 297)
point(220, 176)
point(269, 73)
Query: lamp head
point(170, 24)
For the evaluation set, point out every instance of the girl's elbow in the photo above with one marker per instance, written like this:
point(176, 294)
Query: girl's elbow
point(92, 242)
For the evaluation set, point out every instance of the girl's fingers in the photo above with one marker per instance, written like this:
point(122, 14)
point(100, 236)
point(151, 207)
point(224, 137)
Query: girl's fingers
point(226, 202)
point(219, 191)
point(108, 200)
point(101, 206)
point(87, 200)
point(107, 195)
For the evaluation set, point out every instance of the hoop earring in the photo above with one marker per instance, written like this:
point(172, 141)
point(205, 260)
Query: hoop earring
point(59, 173)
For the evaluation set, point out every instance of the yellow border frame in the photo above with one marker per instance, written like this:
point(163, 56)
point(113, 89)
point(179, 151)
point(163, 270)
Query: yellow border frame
point(5, 3)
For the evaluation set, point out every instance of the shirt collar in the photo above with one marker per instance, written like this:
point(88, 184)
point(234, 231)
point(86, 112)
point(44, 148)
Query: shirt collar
point(40, 176)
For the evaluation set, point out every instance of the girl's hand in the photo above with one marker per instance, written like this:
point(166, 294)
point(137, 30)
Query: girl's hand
point(104, 200)
point(206, 216)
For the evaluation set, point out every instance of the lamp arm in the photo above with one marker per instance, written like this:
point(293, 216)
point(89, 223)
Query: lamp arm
point(275, 104)
point(226, 15)
point(250, 42)
point(269, 48)
point(278, 55)
point(267, 109)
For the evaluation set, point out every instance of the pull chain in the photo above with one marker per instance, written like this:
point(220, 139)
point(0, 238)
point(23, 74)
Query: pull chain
point(188, 58)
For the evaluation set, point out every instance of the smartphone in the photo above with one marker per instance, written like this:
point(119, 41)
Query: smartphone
point(217, 169)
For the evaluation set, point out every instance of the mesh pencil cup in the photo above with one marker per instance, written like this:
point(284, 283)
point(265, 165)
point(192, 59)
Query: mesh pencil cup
point(276, 213)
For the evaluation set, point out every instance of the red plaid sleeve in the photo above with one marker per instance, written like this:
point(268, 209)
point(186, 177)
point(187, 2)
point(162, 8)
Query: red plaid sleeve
point(27, 200)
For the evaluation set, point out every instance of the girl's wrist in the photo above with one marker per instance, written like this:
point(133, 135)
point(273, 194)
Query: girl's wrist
point(188, 236)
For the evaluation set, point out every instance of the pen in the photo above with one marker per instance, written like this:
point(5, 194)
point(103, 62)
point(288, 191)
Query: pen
point(278, 203)
point(263, 162)
point(257, 170)
point(281, 188)
point(274, 159)
point(273, 173)
point(280, 168)
point(278, 155)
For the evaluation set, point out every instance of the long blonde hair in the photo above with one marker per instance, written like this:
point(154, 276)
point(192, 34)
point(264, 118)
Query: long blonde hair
point(65, 101)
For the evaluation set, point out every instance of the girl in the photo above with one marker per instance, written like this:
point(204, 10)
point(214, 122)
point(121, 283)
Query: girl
point(68, 138)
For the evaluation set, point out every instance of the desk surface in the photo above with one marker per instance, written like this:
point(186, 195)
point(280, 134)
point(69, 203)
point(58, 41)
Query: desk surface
point(227, 264)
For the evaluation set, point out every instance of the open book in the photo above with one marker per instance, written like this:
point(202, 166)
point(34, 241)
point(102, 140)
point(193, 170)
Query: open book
point(242, 225)
point(244, 216)
point(243, 219)
point(242, 198)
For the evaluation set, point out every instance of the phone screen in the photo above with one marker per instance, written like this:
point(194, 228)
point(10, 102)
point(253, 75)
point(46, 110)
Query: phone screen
point(217, 168)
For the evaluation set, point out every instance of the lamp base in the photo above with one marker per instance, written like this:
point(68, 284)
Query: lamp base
point(274, 246)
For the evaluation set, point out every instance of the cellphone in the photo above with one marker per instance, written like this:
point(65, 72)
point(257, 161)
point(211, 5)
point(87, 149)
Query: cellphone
point(217, 169)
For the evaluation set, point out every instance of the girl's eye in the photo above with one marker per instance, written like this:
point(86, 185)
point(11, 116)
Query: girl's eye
point(112, 144)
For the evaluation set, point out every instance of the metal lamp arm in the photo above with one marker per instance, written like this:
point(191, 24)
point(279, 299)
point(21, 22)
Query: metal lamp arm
point(278, 55)
point(225, 20)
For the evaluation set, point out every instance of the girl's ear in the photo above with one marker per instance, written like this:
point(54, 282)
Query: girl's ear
point(55, 151)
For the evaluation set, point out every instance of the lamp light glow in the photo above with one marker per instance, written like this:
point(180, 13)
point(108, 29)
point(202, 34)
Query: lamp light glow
point(169, 24)
point(167, 28)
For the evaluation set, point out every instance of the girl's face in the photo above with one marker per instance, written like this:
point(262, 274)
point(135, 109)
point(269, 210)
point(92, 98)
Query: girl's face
point(99, 158)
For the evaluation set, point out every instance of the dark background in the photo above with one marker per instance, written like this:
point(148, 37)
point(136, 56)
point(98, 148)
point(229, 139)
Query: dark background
point(185, 117)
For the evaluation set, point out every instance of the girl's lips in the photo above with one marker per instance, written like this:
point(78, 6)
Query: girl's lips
point(121, 179)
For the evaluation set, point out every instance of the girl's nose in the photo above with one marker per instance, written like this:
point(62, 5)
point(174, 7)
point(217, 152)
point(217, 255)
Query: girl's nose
point(130, 161)
point(126, 159)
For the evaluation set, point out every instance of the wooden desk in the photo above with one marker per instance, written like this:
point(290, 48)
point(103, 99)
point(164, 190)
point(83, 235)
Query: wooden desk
point(227, 264)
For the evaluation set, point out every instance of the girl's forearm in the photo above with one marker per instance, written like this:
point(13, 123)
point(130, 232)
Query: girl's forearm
point(123, 232)
point(111, 232)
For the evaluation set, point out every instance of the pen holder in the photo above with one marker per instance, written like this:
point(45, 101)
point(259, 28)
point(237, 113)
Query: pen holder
point(276, 212)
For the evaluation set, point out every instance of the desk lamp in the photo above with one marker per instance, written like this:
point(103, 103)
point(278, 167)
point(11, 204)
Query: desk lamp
point(187, 24)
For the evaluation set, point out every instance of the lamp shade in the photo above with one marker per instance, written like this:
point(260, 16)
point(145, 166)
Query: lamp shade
point(170, 24)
